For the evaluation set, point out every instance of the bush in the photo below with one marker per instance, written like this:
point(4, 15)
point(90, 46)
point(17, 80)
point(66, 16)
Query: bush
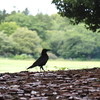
point(23, 56)
point(52, 56)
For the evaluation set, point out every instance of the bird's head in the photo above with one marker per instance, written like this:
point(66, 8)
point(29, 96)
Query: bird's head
point(45, 50)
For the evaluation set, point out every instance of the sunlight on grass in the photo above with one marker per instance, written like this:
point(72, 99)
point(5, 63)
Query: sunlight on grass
point(7, 65)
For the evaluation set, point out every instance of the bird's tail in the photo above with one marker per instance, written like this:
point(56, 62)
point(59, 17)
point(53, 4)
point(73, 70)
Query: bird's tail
point(30, 67)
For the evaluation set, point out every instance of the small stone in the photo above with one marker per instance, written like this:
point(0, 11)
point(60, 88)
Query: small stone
point(42, 94)
point(22, 74)
point(6, 76)
point(14, 90)
point(70, 98)
point(27, 94)
point(33, 92)
point(1, 97)
point(15, 86)
point(23, 98)
point(8, 97)
point(20, 95)
point(59, 96)
point(55, 93)
point(39, 98)
point(20, 92)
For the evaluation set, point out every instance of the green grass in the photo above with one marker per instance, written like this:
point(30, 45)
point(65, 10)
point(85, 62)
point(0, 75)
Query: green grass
point(7, 65)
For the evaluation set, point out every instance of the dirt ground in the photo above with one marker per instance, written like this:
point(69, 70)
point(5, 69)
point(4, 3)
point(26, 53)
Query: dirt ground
point(59, 85)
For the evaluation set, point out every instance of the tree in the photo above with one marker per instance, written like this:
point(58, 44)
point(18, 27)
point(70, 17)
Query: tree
point(13, 12)
point(8, 27)
point(7, 45)
point(3, 14)
point(29, 42)
point(86, 11)
point(55, 41)
point(38, 23)
point(79, 45)
point(59, 23)
point(21, 19)
point(26, 12)
point(44, 23)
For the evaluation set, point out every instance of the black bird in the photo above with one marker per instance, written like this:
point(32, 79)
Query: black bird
point(41, 60)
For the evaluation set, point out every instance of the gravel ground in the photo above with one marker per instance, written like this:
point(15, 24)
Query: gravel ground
point(59, 85)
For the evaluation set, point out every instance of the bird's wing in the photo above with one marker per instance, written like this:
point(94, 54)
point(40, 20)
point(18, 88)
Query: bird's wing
point(41, 61)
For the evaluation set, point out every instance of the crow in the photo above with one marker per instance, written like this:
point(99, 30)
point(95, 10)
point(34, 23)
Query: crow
point(41, 60)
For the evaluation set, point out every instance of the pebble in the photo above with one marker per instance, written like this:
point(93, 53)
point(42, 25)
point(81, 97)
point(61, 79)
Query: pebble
point(23, 98)
point(33, 92)
point(8, 97)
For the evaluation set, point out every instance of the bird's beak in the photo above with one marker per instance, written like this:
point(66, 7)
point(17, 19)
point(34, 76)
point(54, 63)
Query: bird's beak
point(48, 50)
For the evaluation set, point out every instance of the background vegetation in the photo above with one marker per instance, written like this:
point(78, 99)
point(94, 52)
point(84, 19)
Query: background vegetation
point(23, 36)
point(86, 11)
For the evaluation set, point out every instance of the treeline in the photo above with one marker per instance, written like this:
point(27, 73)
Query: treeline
point(22, 33)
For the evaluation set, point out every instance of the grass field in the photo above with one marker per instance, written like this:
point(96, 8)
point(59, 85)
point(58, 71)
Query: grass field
point(7, 65)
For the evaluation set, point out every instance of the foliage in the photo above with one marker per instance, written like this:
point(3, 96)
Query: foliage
point(3, 14)
point(59, 23)
point(86, 11)
point(79, 45)
point(50, 31)
point(8, 27)
point(44, 23)
point(28, 41)
point(39, 23)
point(60, 68)
point(22, 56)
point(26, 12)
point(21, 19)
point(55, 40)
point(7, 45)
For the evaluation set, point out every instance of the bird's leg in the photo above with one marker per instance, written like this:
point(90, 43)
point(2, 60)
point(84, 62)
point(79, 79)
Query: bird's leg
point(43, 70)
point(40, 70)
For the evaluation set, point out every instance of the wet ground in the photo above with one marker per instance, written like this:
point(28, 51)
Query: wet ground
point(59, 85)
